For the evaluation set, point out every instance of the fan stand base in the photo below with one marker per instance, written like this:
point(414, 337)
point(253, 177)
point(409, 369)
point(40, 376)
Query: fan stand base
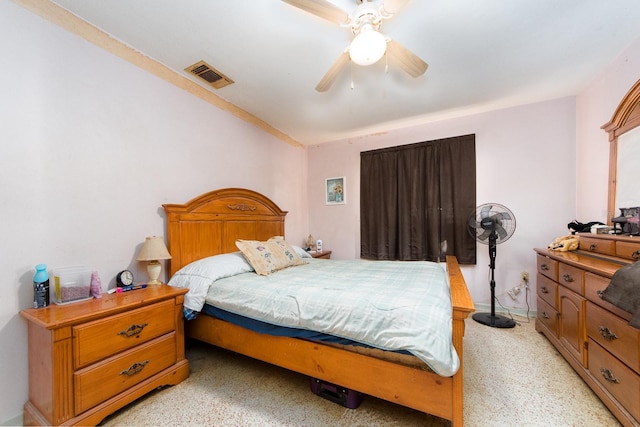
point(495, 321)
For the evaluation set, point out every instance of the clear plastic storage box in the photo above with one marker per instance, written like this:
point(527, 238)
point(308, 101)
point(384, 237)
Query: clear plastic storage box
point(71, 284)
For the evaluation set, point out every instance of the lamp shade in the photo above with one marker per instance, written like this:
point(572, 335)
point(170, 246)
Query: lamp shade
point(153, 249)
point(368, 46)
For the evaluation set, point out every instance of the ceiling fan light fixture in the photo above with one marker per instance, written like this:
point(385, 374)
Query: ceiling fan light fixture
point(368, 46)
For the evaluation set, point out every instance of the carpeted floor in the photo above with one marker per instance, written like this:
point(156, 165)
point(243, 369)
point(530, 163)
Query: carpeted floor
point(513, 377)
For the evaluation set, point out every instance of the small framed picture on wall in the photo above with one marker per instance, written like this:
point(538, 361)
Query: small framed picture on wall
point(335, 191)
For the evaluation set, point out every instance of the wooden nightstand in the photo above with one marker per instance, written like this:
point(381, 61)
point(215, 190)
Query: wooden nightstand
point(90, 358)
point(321, 255)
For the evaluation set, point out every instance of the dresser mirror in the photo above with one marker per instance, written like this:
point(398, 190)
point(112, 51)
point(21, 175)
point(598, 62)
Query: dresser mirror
point(628, 172)
point(624, 153)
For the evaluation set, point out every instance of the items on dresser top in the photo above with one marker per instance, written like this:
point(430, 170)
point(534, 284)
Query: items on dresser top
point(41, 286)
point(576, 226)
point(565, 243)
point(153, 251)
point(71, 284)
point(628, 220)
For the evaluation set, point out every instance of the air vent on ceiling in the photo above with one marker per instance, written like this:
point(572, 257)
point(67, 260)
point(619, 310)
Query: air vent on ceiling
point(209, 74)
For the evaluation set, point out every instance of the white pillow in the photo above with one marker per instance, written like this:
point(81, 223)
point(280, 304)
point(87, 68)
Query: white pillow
point(199, 275)
point(301, 252)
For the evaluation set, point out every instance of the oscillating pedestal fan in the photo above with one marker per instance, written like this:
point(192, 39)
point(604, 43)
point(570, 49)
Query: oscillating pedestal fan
point(492, 224)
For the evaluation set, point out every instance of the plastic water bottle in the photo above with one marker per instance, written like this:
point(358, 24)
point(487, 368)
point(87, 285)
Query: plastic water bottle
point(41, 286)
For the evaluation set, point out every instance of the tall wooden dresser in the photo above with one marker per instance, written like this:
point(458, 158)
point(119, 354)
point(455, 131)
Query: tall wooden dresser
point(593, 335)
point(88, 359)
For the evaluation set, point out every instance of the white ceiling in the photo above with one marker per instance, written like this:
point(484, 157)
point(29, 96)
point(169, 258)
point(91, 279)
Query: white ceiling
point(482, 55)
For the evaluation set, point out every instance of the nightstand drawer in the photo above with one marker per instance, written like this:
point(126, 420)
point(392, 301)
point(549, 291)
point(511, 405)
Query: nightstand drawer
point(103, 380)
point(96, 340)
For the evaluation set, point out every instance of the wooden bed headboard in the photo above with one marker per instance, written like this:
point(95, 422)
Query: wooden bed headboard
point(210, 224)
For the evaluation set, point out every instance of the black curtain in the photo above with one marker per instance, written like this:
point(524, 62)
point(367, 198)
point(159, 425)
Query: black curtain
point(415, 201)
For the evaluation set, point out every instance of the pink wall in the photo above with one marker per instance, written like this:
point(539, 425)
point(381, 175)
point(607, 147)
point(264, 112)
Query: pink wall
point(595, 107)
point(90, 148)
point(525, 161)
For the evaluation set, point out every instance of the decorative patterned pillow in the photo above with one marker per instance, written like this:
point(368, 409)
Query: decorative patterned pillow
point(270, 256)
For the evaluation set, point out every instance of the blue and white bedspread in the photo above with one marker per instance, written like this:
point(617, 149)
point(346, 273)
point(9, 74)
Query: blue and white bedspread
point(390, 305)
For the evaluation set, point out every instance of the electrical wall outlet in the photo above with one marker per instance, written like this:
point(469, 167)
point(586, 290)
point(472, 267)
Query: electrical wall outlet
point(524, 277)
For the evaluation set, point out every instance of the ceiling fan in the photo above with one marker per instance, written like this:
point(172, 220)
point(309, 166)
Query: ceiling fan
point(368, 44)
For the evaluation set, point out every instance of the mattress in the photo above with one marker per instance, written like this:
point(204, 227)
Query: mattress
point(389, 305)
point(399, 357)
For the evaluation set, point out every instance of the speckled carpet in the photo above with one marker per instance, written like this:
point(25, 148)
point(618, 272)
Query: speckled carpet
point(513, 377)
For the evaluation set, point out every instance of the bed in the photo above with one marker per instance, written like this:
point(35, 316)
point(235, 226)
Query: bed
point(210, 225)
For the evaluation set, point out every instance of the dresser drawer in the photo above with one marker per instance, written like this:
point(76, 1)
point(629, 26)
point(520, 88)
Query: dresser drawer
point(601, 246)
point(593, 286)
point(571, 277)
point(614, 334)
point(96, 340)
point(105, 379)
point(547, 267)
point(618, 379)
point(548, 316)
point(547, 289)
point(628, 250)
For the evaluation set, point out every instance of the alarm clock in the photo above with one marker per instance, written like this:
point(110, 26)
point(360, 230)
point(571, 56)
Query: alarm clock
point(124, 278)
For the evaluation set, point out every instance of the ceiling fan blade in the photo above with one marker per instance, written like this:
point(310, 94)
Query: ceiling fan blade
point(333, 72)
point(393, 6)
point(321, 8)
point(407, 60)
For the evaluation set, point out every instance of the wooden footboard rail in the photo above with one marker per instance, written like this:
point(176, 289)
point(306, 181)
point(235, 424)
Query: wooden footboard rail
point(415, 388)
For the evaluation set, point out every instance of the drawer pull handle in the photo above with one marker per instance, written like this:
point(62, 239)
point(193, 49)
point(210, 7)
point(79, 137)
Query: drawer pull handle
point(607, 333)
point(136, 368)
point(635, 255)
point(133, 330)
point(600, 293)
point(545, 315)
point(592, 247)
point(608, 375)
point(544, 290)
point(544, 267)
point(568, 278)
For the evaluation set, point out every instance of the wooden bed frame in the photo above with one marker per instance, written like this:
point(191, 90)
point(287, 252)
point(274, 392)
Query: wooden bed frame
point(211, 223)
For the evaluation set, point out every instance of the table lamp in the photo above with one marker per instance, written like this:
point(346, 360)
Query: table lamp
point(153, 250)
